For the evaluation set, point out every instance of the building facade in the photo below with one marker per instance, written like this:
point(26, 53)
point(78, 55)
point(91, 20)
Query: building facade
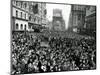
point(19, 15)
point(28, 15)
point(37, 15)
point(58, 22)
point(77, 18)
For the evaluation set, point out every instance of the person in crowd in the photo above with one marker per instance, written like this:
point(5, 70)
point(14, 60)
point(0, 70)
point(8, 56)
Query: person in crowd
point(51, 52)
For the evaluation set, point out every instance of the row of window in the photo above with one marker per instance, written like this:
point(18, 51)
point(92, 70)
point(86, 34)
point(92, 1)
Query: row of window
point(30, 18)
point(21, 26)
point(21, 14)
point(21, 4)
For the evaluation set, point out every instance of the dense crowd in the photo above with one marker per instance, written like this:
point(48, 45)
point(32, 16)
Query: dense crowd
point(33, 53)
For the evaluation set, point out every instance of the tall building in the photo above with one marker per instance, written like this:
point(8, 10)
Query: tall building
point(19, 15)
point(77, 18)
point(58, 22)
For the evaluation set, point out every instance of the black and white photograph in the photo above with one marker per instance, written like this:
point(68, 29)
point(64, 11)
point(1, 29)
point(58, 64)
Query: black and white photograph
point(51, 37)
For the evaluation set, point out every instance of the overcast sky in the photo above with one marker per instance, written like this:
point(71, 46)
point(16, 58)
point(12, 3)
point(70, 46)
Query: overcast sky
point(65, 11)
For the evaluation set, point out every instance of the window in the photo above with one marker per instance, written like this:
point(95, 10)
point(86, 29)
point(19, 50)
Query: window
point(29, 26)
point(16, 13)
point(25, 26)
point(21, 26)
point(16, 3)
point(17, 26)
point(21, 4)
point(34, 19)
point(45, 12)
point(25, 15)
point(29, 18)
point(25, 5)
point(21, 14)
point(79, 17)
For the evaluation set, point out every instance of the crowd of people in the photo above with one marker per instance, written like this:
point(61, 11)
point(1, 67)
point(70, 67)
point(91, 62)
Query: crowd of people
point(34, 53)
